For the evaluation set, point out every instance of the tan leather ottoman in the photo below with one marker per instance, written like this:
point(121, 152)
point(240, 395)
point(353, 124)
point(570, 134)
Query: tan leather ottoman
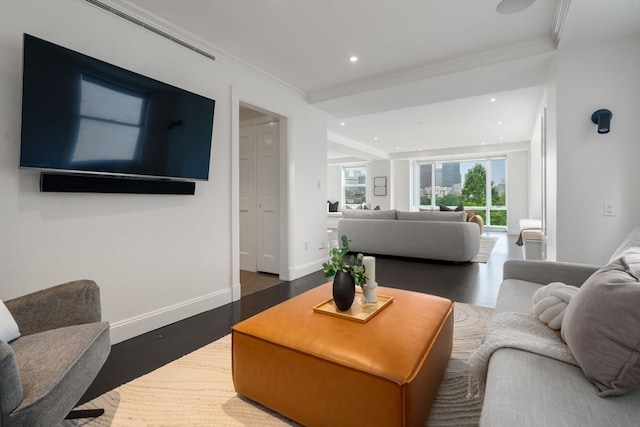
point(322, 370)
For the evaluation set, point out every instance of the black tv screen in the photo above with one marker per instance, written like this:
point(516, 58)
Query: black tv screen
point(80, 114)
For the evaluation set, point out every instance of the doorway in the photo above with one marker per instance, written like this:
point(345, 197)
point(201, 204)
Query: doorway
point(259, 199)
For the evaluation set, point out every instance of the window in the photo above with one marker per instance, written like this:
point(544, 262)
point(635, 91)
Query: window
point(354, 184)
point(110, 122)
point(475, 184)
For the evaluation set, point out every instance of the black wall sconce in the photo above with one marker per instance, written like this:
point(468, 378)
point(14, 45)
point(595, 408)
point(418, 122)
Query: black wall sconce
point(603, 119)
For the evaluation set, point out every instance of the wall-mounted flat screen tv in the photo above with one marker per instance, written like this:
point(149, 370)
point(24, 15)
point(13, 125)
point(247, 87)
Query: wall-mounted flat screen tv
point(80, 114)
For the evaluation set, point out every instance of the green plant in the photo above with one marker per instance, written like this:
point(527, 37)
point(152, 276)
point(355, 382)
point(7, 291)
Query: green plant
point(338, 261)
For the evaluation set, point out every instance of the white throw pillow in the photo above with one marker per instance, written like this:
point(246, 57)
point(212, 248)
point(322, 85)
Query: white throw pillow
point(550, 303)
point(8, 327)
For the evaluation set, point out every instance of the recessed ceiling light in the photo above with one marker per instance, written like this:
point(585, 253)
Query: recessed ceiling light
point(375, 138)
point(397, 148)
point(353, 58)
point(493, 100)
point(501, 138)
point(341, 123)
point(499, 123)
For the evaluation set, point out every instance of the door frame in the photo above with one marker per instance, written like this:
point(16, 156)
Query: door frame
point(286, 185)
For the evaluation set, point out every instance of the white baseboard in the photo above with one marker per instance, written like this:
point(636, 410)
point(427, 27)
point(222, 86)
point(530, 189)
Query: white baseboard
point(236, 292)
point(128, 328)
point(308, 268)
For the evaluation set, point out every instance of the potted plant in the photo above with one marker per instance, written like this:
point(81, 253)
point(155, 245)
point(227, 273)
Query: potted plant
point(347, 273)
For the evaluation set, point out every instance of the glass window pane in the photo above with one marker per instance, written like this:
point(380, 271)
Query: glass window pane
point(499, 217)
point(474, 190)
point(466, 183)
point(448, 184)
point(355, 185)
point(425, 184)
point(498, 183)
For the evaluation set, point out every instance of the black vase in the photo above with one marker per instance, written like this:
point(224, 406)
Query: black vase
point(344, 290)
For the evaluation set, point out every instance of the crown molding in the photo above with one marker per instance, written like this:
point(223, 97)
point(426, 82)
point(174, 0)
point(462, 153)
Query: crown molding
point(435, 70)
point(133, 13)
point(468, 151)
point(559, 18)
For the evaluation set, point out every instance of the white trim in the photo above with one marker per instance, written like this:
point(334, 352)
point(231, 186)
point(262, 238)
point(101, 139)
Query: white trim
point(559, 19)
point(235, 196)
point(286, 184)
point(137, 325)
point(308, 268)
point(221, 56)
point(439, 69)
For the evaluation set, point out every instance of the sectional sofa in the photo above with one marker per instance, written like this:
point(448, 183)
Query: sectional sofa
point(445, 236)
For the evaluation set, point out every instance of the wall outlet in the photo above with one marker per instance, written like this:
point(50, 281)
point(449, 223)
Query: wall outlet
point(608, 209)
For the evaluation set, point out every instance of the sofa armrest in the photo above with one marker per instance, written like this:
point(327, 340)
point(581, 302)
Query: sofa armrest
point(71, 303)
point(545, 272)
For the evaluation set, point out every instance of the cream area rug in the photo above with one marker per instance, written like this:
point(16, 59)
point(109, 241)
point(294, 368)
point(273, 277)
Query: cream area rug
point(197, 389)
point(486, 246)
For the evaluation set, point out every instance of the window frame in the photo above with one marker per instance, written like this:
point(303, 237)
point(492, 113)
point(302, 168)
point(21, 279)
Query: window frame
point(362, 167)
point(487, 163)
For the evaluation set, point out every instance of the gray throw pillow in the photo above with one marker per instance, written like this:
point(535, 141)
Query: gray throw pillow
point(601, 326)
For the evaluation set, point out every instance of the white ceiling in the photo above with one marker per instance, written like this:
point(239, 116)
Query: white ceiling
point(427, 69)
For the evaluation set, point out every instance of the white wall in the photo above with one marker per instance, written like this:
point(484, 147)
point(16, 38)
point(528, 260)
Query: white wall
point(156, 258)
point(401, 189)
point(334, 184)
point(379, 168)
point(518, 190)
point(594, 168)
point(550, 165)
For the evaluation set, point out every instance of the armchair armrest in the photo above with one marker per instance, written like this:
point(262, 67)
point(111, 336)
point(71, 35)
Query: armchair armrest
point(71, 303)
point(11, 391)
point(545, 272)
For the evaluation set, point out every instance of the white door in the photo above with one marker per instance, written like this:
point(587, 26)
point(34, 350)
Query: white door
point(268, 197)
point(248, 202)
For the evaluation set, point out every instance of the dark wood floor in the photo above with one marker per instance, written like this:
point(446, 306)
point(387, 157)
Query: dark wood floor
point(472, 283)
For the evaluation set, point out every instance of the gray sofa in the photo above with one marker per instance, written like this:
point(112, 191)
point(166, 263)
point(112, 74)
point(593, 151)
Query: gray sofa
point(526, 389)
point(62, 345)
point(445, 236)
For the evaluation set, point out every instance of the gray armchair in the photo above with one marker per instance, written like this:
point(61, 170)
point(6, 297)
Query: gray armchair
point(63, 345)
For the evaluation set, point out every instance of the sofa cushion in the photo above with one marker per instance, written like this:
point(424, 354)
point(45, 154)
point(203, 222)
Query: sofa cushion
point(56, 367)
point(602, 328)
point(527, 390)
point(369, 214)
point(516, 295)
point(460, 216)
point(10, 385)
